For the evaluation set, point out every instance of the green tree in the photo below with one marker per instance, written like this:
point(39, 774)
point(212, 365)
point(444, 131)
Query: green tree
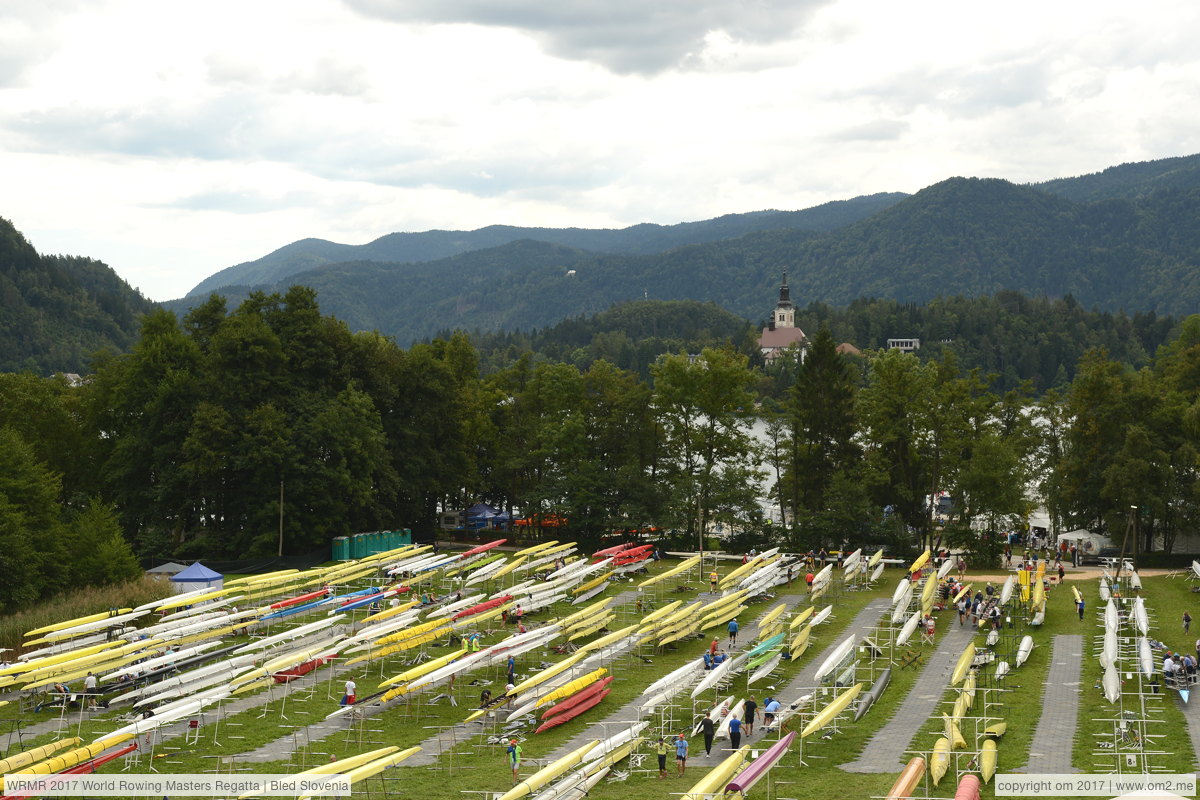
point(894, 410)
point(98, 552)
point(710, 463)
point(820, 408)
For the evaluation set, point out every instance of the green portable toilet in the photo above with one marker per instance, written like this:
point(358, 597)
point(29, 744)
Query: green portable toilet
point(376, 546)
point(358, 546)
point(341, 548)
point(405, 537)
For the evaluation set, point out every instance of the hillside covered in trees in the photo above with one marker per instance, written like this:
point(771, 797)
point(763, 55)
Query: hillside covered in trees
point(1129, 240)
point(55, 311)
point(400, 248)
point(1011, 336)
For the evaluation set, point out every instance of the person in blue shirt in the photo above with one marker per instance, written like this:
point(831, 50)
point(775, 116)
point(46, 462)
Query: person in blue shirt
point(735, 733)
point(733, 631)
point(769, 710)
point(681, 750)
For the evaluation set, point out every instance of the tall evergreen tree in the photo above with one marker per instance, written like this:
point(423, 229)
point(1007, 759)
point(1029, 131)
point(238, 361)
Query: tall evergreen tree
point(822, 448)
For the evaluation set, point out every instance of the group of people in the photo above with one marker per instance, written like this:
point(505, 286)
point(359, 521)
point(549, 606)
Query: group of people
point(708, 728)
point(1179, 669)
point(983, 605)
point(712, 659)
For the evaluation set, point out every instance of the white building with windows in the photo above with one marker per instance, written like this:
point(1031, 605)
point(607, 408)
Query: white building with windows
point(904, 345)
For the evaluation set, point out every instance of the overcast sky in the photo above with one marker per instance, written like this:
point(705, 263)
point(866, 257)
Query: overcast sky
point(174, 139)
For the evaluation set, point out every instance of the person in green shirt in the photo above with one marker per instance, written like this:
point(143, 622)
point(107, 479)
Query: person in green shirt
point(514, 758)
point(662, 748)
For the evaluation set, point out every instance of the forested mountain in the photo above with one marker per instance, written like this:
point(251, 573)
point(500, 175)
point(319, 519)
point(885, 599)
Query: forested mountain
point(629, 335)
point(964, 236)
point(55, 311)
point(1128, 181)
point(309, 254)
point(1014, 337)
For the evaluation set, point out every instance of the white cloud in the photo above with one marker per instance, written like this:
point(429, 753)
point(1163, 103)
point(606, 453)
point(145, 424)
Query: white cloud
point(626, 36)
point(174, 140)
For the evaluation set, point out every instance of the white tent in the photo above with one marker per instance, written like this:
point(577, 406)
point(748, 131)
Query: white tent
point(1089, 543)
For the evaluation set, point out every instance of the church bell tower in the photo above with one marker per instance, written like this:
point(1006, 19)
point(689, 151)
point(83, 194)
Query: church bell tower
point(785, 313)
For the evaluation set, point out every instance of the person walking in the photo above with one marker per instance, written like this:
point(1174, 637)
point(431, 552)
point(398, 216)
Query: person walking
point(1187, 621)
point(514, 759)
point(350, 696)
point(709, 728)
point(733, 632)
point(681, 750)
point(749, 710)
point(735, 733)
point(89, 688)
point(713, 577)
point(1079, 605)
point(662, 749)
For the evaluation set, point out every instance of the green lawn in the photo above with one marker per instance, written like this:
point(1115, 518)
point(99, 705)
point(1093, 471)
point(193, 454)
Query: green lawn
point(474, 765)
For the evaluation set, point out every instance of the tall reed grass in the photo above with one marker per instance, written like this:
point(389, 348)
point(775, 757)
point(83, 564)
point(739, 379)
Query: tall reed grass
point(80, 603)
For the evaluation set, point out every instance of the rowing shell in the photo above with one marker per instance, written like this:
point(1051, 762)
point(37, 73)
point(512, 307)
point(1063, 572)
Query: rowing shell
point(835, 707)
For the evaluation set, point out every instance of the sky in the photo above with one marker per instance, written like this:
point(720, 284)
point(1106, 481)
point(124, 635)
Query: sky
point(171, 140)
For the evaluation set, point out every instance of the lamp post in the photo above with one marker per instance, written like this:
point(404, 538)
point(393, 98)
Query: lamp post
point(281, 517)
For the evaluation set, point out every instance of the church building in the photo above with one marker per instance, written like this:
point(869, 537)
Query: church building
point(781, 332)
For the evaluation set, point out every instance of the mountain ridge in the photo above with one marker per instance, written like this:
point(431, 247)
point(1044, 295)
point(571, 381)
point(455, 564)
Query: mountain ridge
point(306, 254)
point(969, 236)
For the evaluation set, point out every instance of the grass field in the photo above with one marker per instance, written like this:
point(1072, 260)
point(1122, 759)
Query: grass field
point(476, 766)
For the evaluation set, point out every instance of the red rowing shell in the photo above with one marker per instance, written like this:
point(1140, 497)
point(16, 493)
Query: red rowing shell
point(567, 716)
point(479, 609)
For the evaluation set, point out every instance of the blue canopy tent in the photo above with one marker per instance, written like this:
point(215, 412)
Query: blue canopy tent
point(480, 515)
point(197, 576)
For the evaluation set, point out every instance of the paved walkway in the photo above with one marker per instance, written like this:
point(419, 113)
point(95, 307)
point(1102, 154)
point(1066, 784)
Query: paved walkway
point(228, 708)
point(1191, 713)
point(1053, 741)
point(861, 625)
point(432, 747)
point(628, 714)
point(805, 680)
point(885, 751)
